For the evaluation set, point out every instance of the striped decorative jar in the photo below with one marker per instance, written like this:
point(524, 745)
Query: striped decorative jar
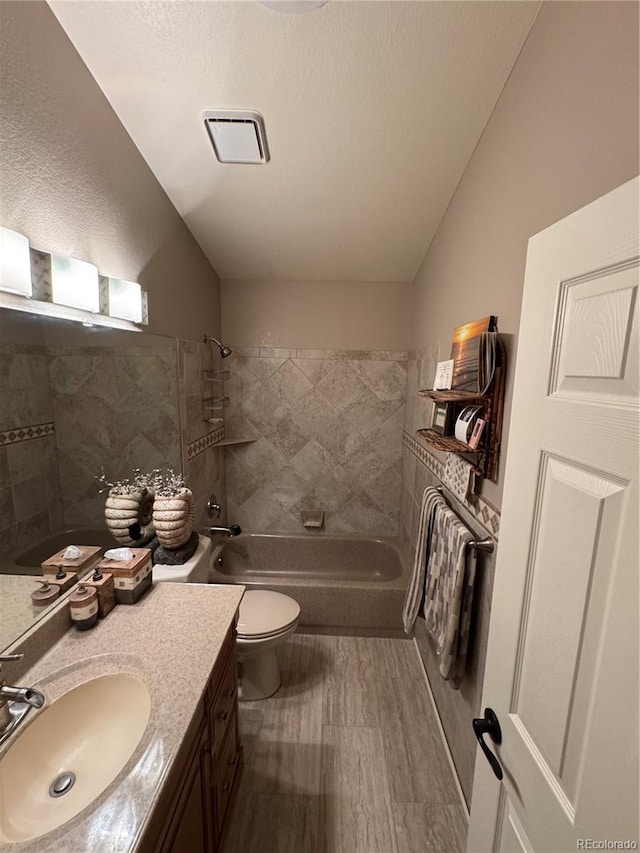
point(173, 518)
point(129, 516)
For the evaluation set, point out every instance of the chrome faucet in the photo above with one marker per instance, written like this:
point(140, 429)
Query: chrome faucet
point(234, 530)
point(15, 702)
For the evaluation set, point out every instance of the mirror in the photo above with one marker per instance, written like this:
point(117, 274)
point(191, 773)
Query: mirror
point(73, 401)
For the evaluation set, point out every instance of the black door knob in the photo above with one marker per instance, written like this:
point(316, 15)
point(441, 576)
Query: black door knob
point(489, 725)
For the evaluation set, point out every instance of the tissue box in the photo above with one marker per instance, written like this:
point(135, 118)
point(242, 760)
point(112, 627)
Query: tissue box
point(71, 567)
point(131, 578)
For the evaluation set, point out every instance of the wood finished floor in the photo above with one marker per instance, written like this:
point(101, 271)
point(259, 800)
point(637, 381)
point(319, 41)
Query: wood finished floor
point(346, 757)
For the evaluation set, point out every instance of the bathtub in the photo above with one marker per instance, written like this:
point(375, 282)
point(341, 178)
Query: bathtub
point(28, 559)
point(348, 584)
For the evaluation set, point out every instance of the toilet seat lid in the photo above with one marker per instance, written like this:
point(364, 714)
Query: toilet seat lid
point(264, 612)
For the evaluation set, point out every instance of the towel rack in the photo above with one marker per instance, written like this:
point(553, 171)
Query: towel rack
point(482, 544)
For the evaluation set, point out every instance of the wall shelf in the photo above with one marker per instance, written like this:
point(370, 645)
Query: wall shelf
point(451, 396)
point(448, 443)
point(487, 456)
point(225, 442)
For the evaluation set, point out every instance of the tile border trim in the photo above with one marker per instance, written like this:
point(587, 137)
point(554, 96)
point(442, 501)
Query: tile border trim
point(329, 354)
point(26, 433)
point(205, 442)
point(483, 512)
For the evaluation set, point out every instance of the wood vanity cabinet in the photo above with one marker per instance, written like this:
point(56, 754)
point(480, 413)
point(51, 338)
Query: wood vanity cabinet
point(195, 801)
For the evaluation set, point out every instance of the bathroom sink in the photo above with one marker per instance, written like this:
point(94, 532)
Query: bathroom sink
point(69, 754)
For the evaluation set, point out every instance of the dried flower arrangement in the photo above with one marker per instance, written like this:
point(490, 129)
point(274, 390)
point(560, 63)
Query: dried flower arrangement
point(156, 503)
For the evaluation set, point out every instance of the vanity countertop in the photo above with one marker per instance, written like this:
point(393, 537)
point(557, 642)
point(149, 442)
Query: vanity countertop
point(170, 640)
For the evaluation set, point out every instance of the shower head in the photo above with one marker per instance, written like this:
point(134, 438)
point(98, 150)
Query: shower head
point(224, 351)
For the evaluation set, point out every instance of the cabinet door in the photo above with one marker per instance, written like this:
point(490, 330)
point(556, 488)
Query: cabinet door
point(192, 830)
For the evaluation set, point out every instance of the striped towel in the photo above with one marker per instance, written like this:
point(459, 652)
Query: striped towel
point(430, 498)
point(451, 569)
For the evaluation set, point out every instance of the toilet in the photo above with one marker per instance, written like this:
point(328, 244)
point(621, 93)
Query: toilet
point(266, 620)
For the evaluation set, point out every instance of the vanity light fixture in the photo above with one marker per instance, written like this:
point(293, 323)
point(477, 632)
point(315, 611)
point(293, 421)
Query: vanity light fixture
point(75, 283)
point(61, 312)
point(15, 263)
point(125, 300)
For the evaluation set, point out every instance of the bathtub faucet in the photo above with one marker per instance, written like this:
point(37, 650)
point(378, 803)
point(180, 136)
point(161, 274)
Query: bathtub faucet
point(234, 530)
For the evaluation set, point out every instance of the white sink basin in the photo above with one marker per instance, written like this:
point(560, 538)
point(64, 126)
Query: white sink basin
point(91, 731)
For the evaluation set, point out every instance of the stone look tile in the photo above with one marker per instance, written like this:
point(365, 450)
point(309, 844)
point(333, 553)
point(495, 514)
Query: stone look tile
point(313, 413)
point(7, 515)
point(312, 461)
point(29, 498)
point(341, 385)
point(288, 383)
point(272, 823)
point(367, 413)
point(289, 437)
point(411, 742)
point(430, 829)
point(335, 416)
point(315, 368)
point(350, 688)
point(4, 468)
point(355, 809)
point(288, 754)
point(262, 368)
point(384, 489)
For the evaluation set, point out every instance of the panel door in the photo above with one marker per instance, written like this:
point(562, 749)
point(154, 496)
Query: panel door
point(562, 661)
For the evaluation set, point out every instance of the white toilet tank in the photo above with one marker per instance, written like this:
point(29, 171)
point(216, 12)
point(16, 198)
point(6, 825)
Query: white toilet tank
point(195, 570)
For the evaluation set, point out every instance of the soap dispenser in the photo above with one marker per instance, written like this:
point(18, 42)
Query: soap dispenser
point(83, 605)
point(45, 595)
point(104, 586)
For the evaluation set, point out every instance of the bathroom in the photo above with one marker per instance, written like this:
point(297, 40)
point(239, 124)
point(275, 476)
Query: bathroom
point(336, 272)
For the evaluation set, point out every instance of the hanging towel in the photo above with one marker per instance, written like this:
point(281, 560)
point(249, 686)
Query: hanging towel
point(430, 498)
point(459, 477)
point(451, 568)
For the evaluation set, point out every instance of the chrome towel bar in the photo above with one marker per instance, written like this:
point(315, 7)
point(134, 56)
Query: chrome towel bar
point(483, 544)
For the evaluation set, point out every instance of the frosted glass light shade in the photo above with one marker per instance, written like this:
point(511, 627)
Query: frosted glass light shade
point(75, 283)
point(15, 263)
point(125, 300)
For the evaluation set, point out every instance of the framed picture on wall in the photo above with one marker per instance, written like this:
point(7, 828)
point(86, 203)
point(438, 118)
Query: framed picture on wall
point(442, 420)
point(444, 375)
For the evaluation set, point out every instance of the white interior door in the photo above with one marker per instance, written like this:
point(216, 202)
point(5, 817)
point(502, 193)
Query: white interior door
point(562, 660)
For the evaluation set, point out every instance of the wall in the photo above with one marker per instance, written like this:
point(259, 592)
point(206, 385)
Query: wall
point(75, 184)
point(115, 406)
point(564, 132)
point(355, 315)
point(72, 402)
point(30, 498)
point(327, 426)
point(202, 461)
point(317, 380)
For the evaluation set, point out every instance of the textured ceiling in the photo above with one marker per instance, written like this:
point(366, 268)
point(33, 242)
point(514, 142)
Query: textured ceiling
point(372, 110)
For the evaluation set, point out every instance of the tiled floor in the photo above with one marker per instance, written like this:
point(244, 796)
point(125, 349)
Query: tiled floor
point(346, 757)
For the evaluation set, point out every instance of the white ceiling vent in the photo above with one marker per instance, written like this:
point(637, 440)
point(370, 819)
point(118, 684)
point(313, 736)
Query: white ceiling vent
point(237, 136)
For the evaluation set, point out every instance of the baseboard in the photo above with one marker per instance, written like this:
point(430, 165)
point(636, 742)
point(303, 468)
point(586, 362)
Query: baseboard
point(463, 802)
point(346, 631)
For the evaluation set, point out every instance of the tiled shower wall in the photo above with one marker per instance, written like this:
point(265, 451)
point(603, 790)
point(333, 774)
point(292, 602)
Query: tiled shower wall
point(326, 434)
point(30, 500)
point(422, 467)
point(202, 462)
point(114, 407)
point(67, 412)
